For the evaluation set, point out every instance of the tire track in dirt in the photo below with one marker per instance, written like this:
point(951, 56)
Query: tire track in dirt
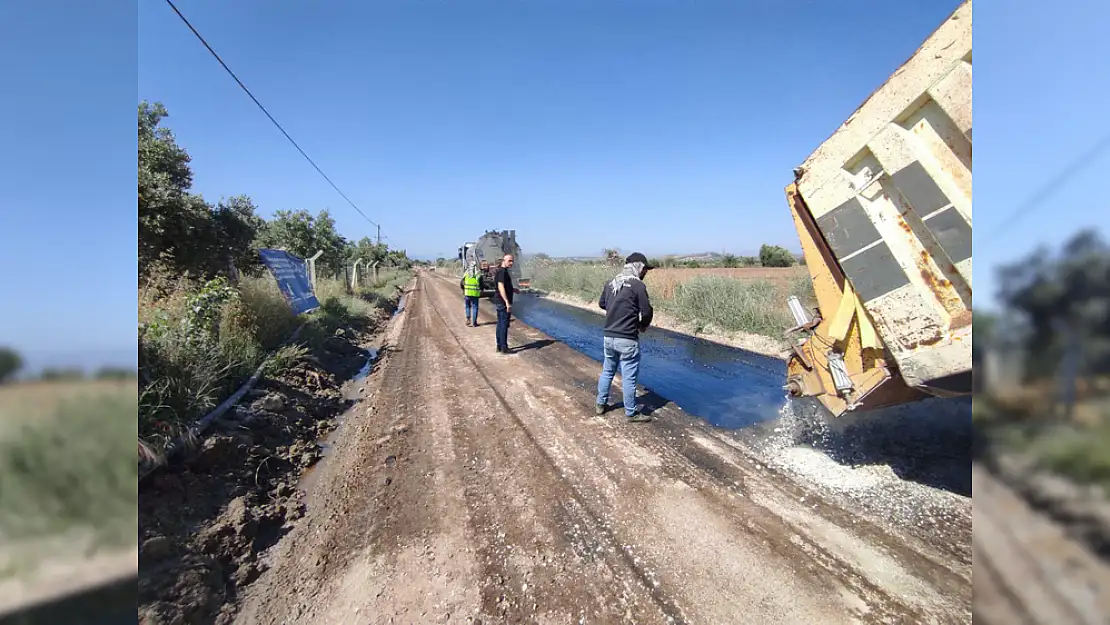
point(596, 534)
point(476, 487)
point(597, 464)
point(380, 510)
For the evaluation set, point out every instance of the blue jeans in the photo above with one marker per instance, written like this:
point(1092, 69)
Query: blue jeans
point(472, 309)
point(503, 318)
point(626, 353)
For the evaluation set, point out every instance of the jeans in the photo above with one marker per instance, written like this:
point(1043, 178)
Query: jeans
point(625, 352)
point(503, 318)
point(472, 309)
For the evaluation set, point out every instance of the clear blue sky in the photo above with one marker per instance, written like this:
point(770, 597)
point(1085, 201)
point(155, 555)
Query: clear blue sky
point(661, 126)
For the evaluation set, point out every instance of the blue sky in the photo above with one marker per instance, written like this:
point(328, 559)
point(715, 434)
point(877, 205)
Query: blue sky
point(660, 126)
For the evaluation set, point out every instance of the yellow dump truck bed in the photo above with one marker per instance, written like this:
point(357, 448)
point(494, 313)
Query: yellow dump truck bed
point(883, 210)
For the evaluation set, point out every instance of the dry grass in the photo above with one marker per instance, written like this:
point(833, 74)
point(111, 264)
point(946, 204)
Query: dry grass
point(750, 300)
point(663, 282)
point(1030, 422)
point(25, 402)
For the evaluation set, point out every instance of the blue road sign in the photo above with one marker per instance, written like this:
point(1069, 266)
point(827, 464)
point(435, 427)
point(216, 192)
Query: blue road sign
point(291, 274)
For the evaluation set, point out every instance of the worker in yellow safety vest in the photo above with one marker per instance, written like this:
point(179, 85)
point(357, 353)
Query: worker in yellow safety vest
point(472, 291)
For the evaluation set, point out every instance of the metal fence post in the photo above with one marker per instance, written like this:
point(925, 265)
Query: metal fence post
point(312, 268)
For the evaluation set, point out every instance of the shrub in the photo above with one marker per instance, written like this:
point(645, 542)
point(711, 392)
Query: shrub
point(776, 256)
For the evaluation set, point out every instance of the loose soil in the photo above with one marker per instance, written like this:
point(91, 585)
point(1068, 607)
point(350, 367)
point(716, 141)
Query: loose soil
point(204, 522)
point(476, 487)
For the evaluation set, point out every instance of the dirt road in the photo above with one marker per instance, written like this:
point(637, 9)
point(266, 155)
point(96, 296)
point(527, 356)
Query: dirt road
point(1027, 570)
point(474, 487)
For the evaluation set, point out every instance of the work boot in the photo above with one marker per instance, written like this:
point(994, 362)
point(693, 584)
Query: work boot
point(468, 323)
point(600, 409)
point(639, 417)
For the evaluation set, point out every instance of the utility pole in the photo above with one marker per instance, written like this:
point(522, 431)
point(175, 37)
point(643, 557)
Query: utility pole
point(379, 235)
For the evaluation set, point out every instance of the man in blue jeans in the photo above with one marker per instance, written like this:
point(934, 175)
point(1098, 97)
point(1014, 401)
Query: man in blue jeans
point(471, 284)
point(503, 302)
point(627, 313)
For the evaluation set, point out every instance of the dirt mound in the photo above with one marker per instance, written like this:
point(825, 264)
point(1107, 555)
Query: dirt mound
point(205, 520)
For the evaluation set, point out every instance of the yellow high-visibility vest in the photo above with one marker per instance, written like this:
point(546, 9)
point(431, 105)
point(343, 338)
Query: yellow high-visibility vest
point(471, 287)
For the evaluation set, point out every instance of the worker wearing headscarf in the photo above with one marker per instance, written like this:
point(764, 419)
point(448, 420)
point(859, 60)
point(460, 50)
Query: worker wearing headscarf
point(628, 312)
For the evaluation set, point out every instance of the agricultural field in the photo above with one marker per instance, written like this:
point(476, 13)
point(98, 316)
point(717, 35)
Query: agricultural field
point(744, 306)
point(54, 435)
point(68, 482)
point(664, 281)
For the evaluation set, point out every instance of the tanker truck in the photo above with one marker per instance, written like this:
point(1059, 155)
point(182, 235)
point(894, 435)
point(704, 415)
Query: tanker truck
point(487, 252)
point(883, 212)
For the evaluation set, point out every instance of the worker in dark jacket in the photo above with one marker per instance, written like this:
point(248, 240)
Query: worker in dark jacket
point(627, 313)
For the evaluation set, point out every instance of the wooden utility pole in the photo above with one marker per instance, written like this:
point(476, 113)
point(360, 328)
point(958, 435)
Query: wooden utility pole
point(379, 235)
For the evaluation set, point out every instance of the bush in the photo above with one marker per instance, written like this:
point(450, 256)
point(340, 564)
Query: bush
point(197, 344)
point(776, 256)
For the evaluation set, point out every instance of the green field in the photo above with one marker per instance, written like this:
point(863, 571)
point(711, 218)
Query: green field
point(66, 461)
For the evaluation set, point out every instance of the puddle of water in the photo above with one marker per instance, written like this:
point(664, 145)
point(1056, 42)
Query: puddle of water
point(327, 445)
point(366, 368)
point(728, 387)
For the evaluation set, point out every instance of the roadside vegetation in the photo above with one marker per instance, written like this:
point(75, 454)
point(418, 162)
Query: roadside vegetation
point(66, 464)
point(1050, 334)
point(209, 312)
point(731, 294)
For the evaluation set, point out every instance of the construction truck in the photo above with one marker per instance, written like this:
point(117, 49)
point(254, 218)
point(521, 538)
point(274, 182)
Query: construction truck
point(487, 253)
point(883, 212)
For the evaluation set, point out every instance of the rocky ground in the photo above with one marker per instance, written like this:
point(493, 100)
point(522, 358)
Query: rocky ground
point(205, 521)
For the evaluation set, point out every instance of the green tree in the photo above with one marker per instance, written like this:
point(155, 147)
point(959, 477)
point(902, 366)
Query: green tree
point(1056, 294)
point(612, 256)
point(301, 234)
point(10, 364)
point(983, 327)
point(776, 256)
point(177, 228)
point(729, 260)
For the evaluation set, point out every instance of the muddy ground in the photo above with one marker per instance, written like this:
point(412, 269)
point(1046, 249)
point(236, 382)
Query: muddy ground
point(473, 487)
point(205, 520)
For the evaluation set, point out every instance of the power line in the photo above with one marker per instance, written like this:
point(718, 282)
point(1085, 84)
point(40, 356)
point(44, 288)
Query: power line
point(1053, 184)
point(267, 113)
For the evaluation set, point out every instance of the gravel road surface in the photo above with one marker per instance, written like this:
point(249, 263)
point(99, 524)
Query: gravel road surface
point(472, 487)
